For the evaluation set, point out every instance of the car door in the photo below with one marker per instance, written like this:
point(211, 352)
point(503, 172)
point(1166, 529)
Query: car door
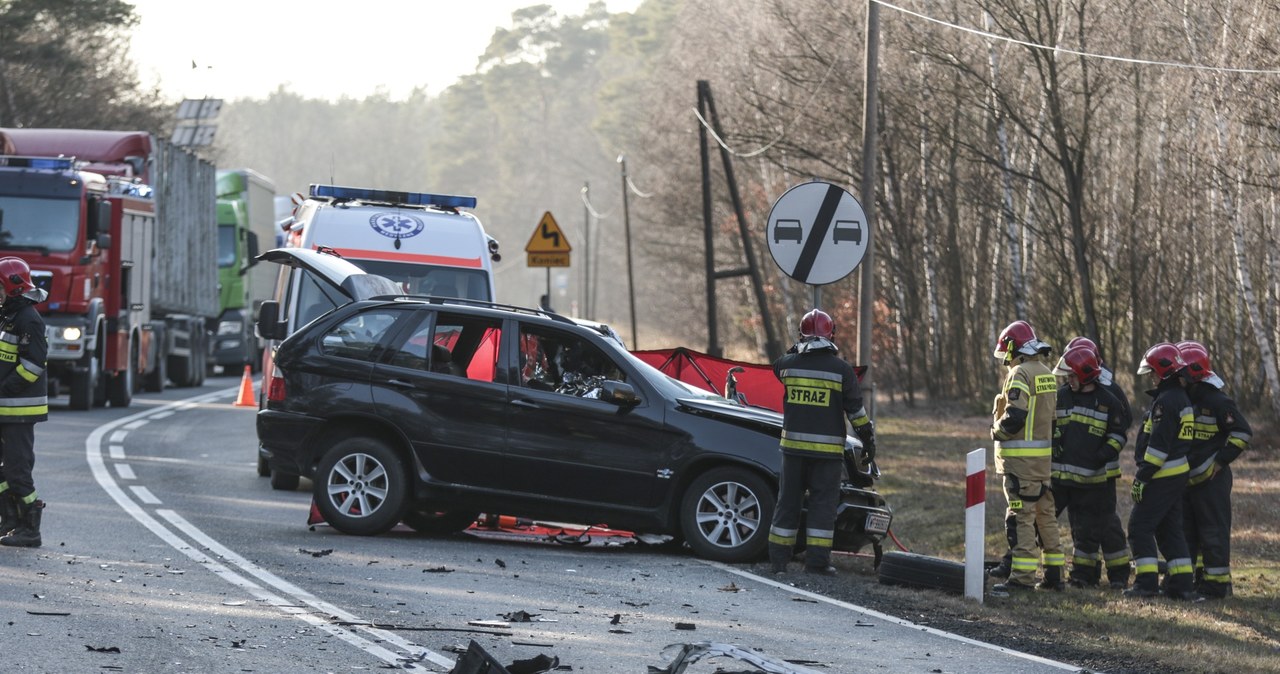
point(565, 445)
point(439, 385)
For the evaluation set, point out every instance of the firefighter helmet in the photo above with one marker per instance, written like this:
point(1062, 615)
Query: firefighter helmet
point(817, 323)
point(1085, 342)
point(1162, 360)
point(1081, 361)
point(16, 277)
point(1018, 338)
point(1197, 359)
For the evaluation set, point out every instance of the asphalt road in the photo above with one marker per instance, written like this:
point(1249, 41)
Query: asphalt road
point(164, 552)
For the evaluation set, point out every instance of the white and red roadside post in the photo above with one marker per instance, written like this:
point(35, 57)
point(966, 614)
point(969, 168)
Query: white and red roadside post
point(975, 519)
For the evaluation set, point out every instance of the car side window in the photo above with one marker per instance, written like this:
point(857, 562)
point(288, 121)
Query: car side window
point(314, 299)
point(551, 360)
point(453, 344)
point(358, 336)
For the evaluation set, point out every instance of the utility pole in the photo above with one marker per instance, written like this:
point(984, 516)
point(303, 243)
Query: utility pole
point(585, 293)
point(626, 226)
point(868, 188)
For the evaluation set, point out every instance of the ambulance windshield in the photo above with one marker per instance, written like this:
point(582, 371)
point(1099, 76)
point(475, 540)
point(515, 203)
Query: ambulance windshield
point(420, 279)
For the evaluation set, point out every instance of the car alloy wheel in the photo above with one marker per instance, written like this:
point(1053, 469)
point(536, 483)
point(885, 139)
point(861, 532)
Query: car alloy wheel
point(360, 487)
point(726, 515)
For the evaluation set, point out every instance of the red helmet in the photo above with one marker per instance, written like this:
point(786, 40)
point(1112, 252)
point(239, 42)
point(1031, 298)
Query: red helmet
point(1162, 360)
point(1017, 337)
point(16, 277)
point(817, 323)
point(1081, 361)
point(1083, 341)
point(1197, 359)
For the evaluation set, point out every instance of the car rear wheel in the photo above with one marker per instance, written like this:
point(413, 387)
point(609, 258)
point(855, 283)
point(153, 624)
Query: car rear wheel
point(281, 481)
point(439, 522)
point(360, 487)
point(725, 515)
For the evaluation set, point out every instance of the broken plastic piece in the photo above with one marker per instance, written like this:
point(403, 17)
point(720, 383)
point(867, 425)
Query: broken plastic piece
point(691, 653)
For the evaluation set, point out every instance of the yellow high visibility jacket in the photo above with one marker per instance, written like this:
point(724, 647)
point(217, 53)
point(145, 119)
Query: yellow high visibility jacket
point(1024, 415)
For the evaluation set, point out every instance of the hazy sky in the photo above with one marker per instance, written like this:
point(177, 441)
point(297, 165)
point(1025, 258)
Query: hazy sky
point(319, 48)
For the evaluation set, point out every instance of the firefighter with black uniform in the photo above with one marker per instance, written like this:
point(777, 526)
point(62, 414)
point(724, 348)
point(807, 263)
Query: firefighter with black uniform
point(1221, 434)
point(23, 402)
point(1161, 451)
point(1116, 565)
point(1023, 430)
point(822, 392)
point(1088, 436)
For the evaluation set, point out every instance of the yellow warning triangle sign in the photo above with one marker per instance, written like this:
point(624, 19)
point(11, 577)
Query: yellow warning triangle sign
point(547, 237)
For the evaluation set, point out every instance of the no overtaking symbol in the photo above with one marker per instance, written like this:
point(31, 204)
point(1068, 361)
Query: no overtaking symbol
point(816, 233)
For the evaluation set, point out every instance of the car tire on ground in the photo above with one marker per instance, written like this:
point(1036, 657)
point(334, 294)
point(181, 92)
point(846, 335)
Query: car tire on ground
point(912, 570)
point(725, 515)
point(361, 486)
point(264, 469)
point(439, 522)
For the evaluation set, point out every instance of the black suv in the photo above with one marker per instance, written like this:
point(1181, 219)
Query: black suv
point(431, 411)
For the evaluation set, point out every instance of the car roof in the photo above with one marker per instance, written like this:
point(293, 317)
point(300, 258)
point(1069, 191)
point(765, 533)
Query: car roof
point(495, 309)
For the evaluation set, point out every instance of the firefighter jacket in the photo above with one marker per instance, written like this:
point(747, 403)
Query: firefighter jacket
point(1088, 434)
point(1024, 416)
point(1107, 381)
point(1165, 438)
point(1221, 431)
point(821, 392)
point(23, 349)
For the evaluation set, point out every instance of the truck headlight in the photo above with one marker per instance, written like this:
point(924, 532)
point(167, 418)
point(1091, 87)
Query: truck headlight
point(230, 328)
point(72, 333)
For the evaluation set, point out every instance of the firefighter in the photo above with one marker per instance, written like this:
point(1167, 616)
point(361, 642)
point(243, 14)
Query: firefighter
point(822, 392)
point(1221, 434)
point(1023, 430)
point(23, 402)
point(1155, 524)
point(1088, 436)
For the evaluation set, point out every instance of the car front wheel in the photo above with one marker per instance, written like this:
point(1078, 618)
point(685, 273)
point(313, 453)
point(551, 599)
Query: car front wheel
point(726, 513)
point(360, 487)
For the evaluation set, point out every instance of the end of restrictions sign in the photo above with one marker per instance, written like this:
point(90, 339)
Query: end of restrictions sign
point(817, 233)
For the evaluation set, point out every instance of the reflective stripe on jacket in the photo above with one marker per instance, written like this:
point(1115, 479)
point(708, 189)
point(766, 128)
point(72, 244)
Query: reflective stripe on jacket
point(1030, 388)
point(1088, 436)
point(821, 392)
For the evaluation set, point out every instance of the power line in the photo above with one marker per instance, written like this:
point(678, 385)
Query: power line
point(1074, 52)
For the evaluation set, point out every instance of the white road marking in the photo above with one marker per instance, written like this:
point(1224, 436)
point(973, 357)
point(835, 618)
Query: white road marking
point(144, 495)
point(888, 618)
point(162, 415)
point(116, 452)
point(130, 426)
point(125, 471)
point(118, 437)
point(291, 604)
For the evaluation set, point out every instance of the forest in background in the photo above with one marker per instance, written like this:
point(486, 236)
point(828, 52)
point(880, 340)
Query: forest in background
point(1121, 186)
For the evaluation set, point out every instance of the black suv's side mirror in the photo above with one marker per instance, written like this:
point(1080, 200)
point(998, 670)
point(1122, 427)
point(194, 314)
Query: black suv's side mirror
point(269, 324)
point(619, 393)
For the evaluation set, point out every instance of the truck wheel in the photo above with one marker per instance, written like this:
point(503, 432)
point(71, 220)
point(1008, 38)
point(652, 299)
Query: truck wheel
point(181, 371)
point(361, 486)
point(155, 380)
point(120, 388)
point(725, 515)
point(100, 388)
point(84, 384)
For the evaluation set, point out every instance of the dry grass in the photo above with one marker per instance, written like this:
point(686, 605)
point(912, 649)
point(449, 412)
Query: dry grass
point(923, 457)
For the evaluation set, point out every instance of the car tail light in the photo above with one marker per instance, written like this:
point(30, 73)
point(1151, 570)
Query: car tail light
point(275, 387)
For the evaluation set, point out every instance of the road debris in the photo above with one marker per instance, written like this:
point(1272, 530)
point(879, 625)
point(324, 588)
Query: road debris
point(316, 553)
point(690, 653)
point(103, 649)
point(477, 661)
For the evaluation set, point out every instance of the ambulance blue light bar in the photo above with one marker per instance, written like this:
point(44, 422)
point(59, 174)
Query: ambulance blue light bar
point(55, 163)
point(393, 197)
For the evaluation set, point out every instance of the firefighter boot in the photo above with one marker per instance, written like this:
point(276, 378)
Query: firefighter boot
point(27, 533)
point(1052, 579)
point(8, 513)
point(1001, 570)
point(779, 555)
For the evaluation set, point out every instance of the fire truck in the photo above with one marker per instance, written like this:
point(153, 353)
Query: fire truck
point(119, 228)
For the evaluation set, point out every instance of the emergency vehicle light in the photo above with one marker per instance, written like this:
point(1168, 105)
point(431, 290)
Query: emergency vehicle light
point(393, 197)
point(57, 163)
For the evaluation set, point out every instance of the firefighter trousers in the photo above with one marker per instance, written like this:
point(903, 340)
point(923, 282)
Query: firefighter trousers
point(1207, 527)
point(820, 477)
point(17, 458)
point(1096, 532)
point(1031, 512)
point(1155, 528)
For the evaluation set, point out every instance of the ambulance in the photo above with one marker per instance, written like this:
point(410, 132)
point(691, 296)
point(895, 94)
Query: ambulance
point(424, 242)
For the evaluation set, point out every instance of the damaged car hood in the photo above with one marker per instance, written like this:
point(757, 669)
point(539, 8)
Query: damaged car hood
point(712, 406)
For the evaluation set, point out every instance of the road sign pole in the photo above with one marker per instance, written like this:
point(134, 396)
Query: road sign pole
point(867, 286)
point(626, 224)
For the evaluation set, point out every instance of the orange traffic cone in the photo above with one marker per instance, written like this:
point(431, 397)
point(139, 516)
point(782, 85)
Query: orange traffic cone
point(245, 397)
